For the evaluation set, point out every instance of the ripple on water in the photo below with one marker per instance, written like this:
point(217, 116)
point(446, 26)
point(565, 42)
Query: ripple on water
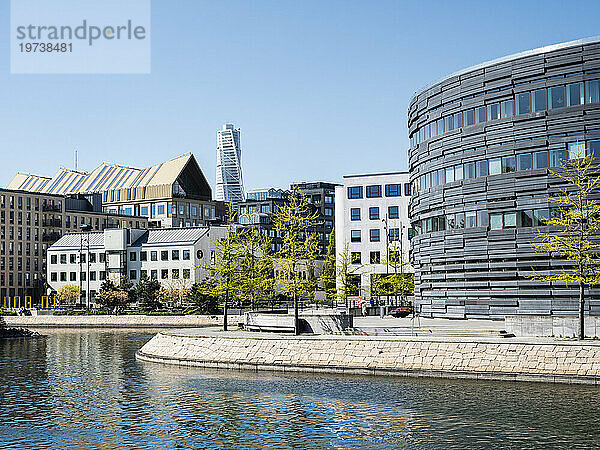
point(84, 389)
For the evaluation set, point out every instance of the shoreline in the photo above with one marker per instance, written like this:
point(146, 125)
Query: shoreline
point(537, 360)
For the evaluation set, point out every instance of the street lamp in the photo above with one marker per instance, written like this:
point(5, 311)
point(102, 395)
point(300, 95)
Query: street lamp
point(84, 238)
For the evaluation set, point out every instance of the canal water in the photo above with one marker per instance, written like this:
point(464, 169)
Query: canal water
point(84, 389)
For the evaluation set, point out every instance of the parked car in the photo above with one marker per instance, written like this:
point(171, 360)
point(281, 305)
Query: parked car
point(402, 311)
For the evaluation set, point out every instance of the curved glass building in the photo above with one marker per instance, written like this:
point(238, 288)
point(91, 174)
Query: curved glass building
point(482, 141)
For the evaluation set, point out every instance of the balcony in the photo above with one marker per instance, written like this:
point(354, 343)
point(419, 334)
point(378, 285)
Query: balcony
point(50, 237)
point(47, 207)
point(52, 223)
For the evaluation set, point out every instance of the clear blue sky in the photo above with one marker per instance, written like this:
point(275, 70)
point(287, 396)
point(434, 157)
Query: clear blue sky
point(319, 88)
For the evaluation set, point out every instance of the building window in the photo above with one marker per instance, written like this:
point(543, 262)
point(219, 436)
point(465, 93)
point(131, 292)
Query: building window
point(53, 259)
point(164, 255)
point(164, 274)
point(469, 170)
point(375, 257)
point(393, 212)
point(355, 236)
point(186, 274)
point(355, 257)
point(508, 164)
point(374, 191)
point(143, 256)
point(53, 276)
point(574, 94)
point(102, 275)
point(407, 189)
point(73, 258)
point(539, 100)
point(175, 274)
point(153, 256)
point(72, 276)
point(481, 168)
point(186, 255)
point(329, 211)
point(556, 97)
point(393, 190)
point(524, 161)
point(469, 117)
point(355, 192)
point(175, 255)
point(132, 256)
point(507, 108)
point(374, 235)
point(63, 276)
point(394, 234)
point(493, 111)
point(592, 91)
point(133, 274)
point(154, 274)
point(374, 213)
point(540, 160)
point(557, 157)
point(480, 114)
point(354, 213)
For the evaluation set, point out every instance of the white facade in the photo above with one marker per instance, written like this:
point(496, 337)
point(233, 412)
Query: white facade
point(173, 256)
point(365, 205)
point(230, 186)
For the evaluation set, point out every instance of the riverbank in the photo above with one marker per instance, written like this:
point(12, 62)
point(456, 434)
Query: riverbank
point(489, 358)
point(119, 321)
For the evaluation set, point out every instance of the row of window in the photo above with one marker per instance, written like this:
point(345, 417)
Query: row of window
point(47, 205)
point(374, 191)
point(11, 263)
point(493, 221)
point(133, 256)
point(506, 164)
point(19, 280)
point(393, 213)
point(523, 103)
point(133, 275)
point(375, 235)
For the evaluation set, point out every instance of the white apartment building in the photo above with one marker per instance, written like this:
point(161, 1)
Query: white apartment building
point(371, 218)
point(174, 256)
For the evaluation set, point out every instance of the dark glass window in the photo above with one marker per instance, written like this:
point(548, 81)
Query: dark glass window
point(355, 236)
point(433, 129)
point(507, 108)
point(375, 257)
point(526, 218)
point(482, 168)
point(524, 161)
point(164, 255)
point(469, 117)
point(508, 164)
point(557, 157)
point(480, 114)
point(355, 192)
point(354, 213)
point(407, 189)
point(540, 160)
point(373, 213)
point(374, 235)
point(523, 103)
point(594, 149)
point(592, 91)
point(493, 111)
point(355, 258)
point(448, 123)
point(482, 218)
point(458, 120)
point(540, 217)
point(556, 97)
point(440, 126)
point(393, 212)
point(393, 190)
point(143, 256)
point(469, 170)
point(374, 191)
point(539, 100)
point(574, 94)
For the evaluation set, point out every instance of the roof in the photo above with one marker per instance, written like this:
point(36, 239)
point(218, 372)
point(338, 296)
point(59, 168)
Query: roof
point(172, 235)
point(535, 51)
point(104, 177)
point(375, 174)
point(75, 239)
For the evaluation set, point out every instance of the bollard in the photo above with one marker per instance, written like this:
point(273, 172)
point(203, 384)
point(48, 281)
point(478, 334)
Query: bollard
point(28, 302)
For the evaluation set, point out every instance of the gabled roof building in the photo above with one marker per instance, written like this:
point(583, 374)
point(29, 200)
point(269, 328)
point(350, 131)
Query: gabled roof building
point(171, 194)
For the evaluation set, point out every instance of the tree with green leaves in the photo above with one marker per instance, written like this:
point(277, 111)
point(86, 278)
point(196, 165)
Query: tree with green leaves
point(68, 294)
point(295, 222)
point(399, 282)
point(147, 293)
point(204, 304)
point(255, 279)
point(328, 276)
point(574, 227)
point(347, 274)
point(223, 267)
point(114, 297)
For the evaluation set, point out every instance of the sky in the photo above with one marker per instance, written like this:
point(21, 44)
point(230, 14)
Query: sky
point(319, 88)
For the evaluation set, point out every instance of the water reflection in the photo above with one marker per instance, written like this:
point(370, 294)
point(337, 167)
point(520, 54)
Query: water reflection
point(84, 389)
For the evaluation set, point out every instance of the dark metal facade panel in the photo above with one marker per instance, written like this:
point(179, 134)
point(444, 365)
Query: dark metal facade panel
point(477, 272)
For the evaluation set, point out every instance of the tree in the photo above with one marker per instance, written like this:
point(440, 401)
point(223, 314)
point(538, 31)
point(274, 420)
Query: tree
point(175, 292)
point(223, 267)
point(69, 294)
point(347, 272)
point(255, 279)
point(147, 293)
point(400, 282)
point(205, 304)
point(295, 222)
point(329, 277)
point(574, 227)
point(114, 297)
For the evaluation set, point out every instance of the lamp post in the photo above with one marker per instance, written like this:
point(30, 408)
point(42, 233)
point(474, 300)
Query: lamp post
point(387, 253)
point(84, 238)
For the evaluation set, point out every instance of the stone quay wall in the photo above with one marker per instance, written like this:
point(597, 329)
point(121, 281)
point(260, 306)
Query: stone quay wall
point(567, 362)
point(120, 321)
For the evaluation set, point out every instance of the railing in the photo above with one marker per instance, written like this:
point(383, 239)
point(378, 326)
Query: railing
point(51, 208)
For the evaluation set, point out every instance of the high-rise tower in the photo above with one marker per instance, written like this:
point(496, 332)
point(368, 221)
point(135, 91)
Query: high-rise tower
point(230, 187)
